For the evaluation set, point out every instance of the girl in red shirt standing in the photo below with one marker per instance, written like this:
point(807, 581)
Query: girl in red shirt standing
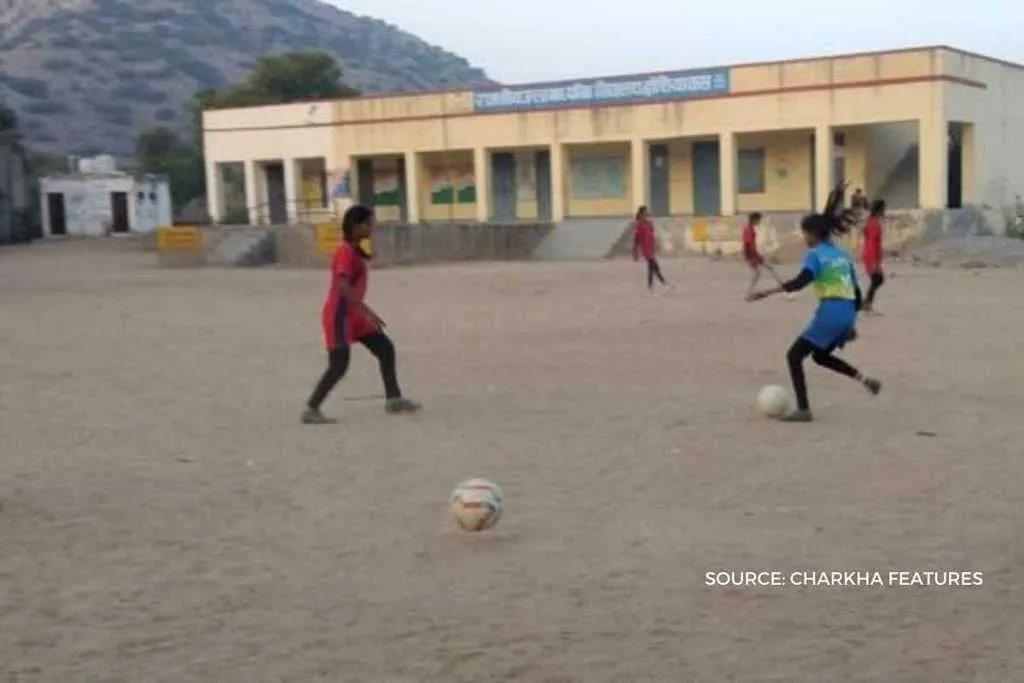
point(347, 318)
point(645, 244)
point(872, 252)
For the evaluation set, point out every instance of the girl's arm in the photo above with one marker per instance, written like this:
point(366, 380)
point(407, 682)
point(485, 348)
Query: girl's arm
point(804, 278)
point(345, 290)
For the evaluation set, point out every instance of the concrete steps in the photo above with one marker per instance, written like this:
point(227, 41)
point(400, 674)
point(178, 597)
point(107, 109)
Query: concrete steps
point(247, 247)
point(582, 239)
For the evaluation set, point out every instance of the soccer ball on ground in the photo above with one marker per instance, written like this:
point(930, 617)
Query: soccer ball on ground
point(774, 401)
point(476, 504)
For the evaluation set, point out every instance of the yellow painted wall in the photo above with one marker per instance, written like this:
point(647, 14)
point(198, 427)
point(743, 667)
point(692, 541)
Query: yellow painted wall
point(787, 171)
point(448, 165)
point(792, 110)
point(609, 206)
point(436, 122)
point(403, 106)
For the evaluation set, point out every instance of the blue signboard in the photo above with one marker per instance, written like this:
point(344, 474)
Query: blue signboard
point(679, 85)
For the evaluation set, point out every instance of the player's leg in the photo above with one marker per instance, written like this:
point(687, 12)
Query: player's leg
point(877, 280)
point(800, 349)
point(337, 366)
point(826, 359)
point(380, 345)
point(656, 267)
point(754, 279)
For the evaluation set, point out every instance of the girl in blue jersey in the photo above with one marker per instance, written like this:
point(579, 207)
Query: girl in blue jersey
point(831, 271)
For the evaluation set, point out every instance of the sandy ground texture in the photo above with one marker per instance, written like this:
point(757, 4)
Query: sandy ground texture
point(975, 251)
point(166, 518)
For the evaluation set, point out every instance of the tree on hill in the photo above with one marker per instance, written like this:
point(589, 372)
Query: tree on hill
point(284, 78)
point(9, 132)
point(277, 79)
point(160, 150)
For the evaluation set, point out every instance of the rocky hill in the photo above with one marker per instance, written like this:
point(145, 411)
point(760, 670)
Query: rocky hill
point(85, 75)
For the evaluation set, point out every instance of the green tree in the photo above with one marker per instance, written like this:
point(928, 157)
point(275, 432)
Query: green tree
point(8, 119)
point(9, 132)
point(294, 76)
point(160, 150)
point(277, 79)
point(283, 78)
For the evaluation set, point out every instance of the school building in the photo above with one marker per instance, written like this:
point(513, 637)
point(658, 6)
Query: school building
point(928, 128)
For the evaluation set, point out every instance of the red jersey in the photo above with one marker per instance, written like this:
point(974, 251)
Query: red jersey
point(643, 239)
point(872, 252)
point(345, 321)
point(750, 254)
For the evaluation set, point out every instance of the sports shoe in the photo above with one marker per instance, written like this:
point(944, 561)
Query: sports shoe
point(394, 406)
point(872, 385)
point(311, 416)
point(799, 416)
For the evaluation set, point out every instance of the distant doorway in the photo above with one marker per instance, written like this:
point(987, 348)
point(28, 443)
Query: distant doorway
point(543, 171)
point(660, 180)
point(503, 186)
point(707, 179)
point(277, 204)
point(955, 167)
point(119, 213)
point(58, 218)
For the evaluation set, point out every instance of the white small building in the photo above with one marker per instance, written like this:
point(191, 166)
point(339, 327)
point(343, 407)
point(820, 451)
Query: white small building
point(98, 200)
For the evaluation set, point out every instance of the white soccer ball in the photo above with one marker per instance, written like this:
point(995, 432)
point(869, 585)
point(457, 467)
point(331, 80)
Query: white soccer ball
point(477, 504)
point(774, 401)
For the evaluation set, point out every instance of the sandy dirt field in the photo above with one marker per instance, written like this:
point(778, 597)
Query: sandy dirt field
point(166, 518)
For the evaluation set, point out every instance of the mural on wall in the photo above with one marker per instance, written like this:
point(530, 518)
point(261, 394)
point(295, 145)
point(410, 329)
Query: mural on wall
point(526, 178)
point(598, 177)
point(311, 189)
point(387, 190)
point(338, 181)
point(453, 185)
point(782, 163)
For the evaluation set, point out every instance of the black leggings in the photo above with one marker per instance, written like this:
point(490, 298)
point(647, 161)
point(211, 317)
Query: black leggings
point(877, 280)
point(654, 271)
point(380, 346)
point(802, 348)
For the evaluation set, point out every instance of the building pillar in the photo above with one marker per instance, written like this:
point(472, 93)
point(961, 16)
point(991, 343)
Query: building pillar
point(412, 187)
point(558, 190)
point(252, 192)
point(639, 171)
point(214, 192)
point(933, 166)
point(824, 157)
point(292, 192)
point(482, 178)
point(727, 173)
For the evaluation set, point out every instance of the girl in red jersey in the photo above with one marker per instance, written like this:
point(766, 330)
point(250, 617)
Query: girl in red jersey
point(872, 253)
point(347, 319)
point(752, 256)
point(645, 244)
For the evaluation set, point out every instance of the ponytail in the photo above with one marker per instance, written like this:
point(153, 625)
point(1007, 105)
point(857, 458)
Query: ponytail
point(834, 220)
